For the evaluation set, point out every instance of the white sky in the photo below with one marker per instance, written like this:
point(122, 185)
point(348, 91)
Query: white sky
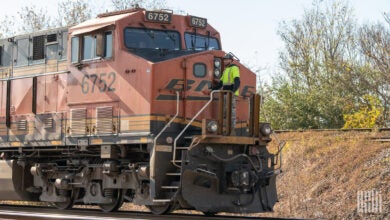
point(247, 27)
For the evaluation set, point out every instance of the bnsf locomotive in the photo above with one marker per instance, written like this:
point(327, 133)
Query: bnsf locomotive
point(113, 110)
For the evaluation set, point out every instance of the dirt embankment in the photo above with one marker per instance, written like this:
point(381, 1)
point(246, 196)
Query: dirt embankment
point(327, 174)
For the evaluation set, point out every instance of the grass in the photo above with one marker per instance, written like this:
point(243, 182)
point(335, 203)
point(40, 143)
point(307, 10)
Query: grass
point(323, 172)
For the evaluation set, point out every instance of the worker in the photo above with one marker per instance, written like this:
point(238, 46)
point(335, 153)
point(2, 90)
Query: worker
point(230, 80)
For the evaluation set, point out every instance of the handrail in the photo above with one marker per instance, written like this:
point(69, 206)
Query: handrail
point(152, 170)
point(170, 122)
point(35, 75)
point(189, 123)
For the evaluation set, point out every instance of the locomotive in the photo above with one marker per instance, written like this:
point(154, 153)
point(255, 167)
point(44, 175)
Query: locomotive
point(113, 110)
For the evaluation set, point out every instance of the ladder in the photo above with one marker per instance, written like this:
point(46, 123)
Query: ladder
point(175, 177)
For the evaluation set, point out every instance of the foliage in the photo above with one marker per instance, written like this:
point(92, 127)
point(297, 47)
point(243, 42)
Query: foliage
point(149, 4)
point(76, 12)
point(374, 43)
point(310, 94)
point(329, 63)
point(7, 26)
point(34, 19)
point(367, 115)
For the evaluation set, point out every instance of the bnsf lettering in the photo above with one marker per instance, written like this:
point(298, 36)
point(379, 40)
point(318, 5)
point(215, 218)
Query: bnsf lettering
point(102, 82)
point(178, 85)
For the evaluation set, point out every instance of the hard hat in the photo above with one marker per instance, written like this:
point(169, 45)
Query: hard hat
point(228, 56)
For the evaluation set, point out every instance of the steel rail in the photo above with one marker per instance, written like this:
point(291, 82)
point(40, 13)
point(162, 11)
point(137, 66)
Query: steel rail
point(44, 212)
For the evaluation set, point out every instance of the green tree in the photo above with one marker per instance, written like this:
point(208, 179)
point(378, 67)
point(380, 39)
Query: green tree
point(315, 49)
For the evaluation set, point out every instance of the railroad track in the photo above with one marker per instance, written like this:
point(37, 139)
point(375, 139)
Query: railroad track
point(345, 130)
point(385, 131)
point(39, 212)
point(381, 139)
point(44, 212)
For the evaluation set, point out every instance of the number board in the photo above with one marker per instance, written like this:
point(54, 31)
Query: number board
point(158, 16)
point(198, 22)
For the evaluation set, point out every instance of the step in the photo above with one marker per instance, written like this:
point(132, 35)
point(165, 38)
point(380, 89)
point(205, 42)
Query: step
point(169, 187)
point(180, 161)
point(181, 148)
point(173, 174)
point(162, 200)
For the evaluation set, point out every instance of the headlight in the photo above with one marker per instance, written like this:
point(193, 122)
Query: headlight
point(212, 127)
point(217, 63)
point(265, 129)
point(217, 72)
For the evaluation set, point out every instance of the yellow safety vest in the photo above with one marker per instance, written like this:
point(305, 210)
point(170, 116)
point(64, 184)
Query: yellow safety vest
point(229, 74)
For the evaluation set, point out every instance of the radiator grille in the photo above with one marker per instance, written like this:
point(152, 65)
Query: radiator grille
point(104, 123)
point(51, 38)
point(38, 47)
point(78, 123)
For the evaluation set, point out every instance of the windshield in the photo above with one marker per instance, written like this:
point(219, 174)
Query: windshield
point(136, 38)
point(200, 42)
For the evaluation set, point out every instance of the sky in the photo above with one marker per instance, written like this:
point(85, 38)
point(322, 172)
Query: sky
point(248, 28)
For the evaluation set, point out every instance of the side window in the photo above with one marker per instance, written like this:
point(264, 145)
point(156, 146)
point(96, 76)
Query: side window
point(89, 47)
point(200, 70)
point(75, 50)
point(51, 51)
point(52, 47)
point(108, 44)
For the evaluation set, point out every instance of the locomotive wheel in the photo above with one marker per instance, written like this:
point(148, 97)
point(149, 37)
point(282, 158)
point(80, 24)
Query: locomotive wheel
point(160, 209)
point(68, 204)
point(64, 205)
point(117, 202)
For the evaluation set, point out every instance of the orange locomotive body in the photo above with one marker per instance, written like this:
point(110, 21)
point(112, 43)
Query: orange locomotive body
point(117, 109)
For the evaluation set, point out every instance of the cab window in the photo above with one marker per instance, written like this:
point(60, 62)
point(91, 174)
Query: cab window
point(108, 44)
point(75, 50)
point(92, 46)
point(89, 47)
point(136, 38)
point(200, 42)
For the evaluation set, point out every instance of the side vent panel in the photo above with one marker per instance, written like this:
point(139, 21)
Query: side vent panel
point(104, 122)
point(22, 125)
point(78, 122)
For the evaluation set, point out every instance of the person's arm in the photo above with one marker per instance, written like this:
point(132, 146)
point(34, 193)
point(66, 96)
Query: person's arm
point(236, 84)
point(236, 77)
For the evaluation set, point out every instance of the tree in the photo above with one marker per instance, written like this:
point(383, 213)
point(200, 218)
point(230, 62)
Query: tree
point(374, 43)
point(34, 19)
point(7, 27)
point(72, 12)
point(316, 48)
point(149, 4)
